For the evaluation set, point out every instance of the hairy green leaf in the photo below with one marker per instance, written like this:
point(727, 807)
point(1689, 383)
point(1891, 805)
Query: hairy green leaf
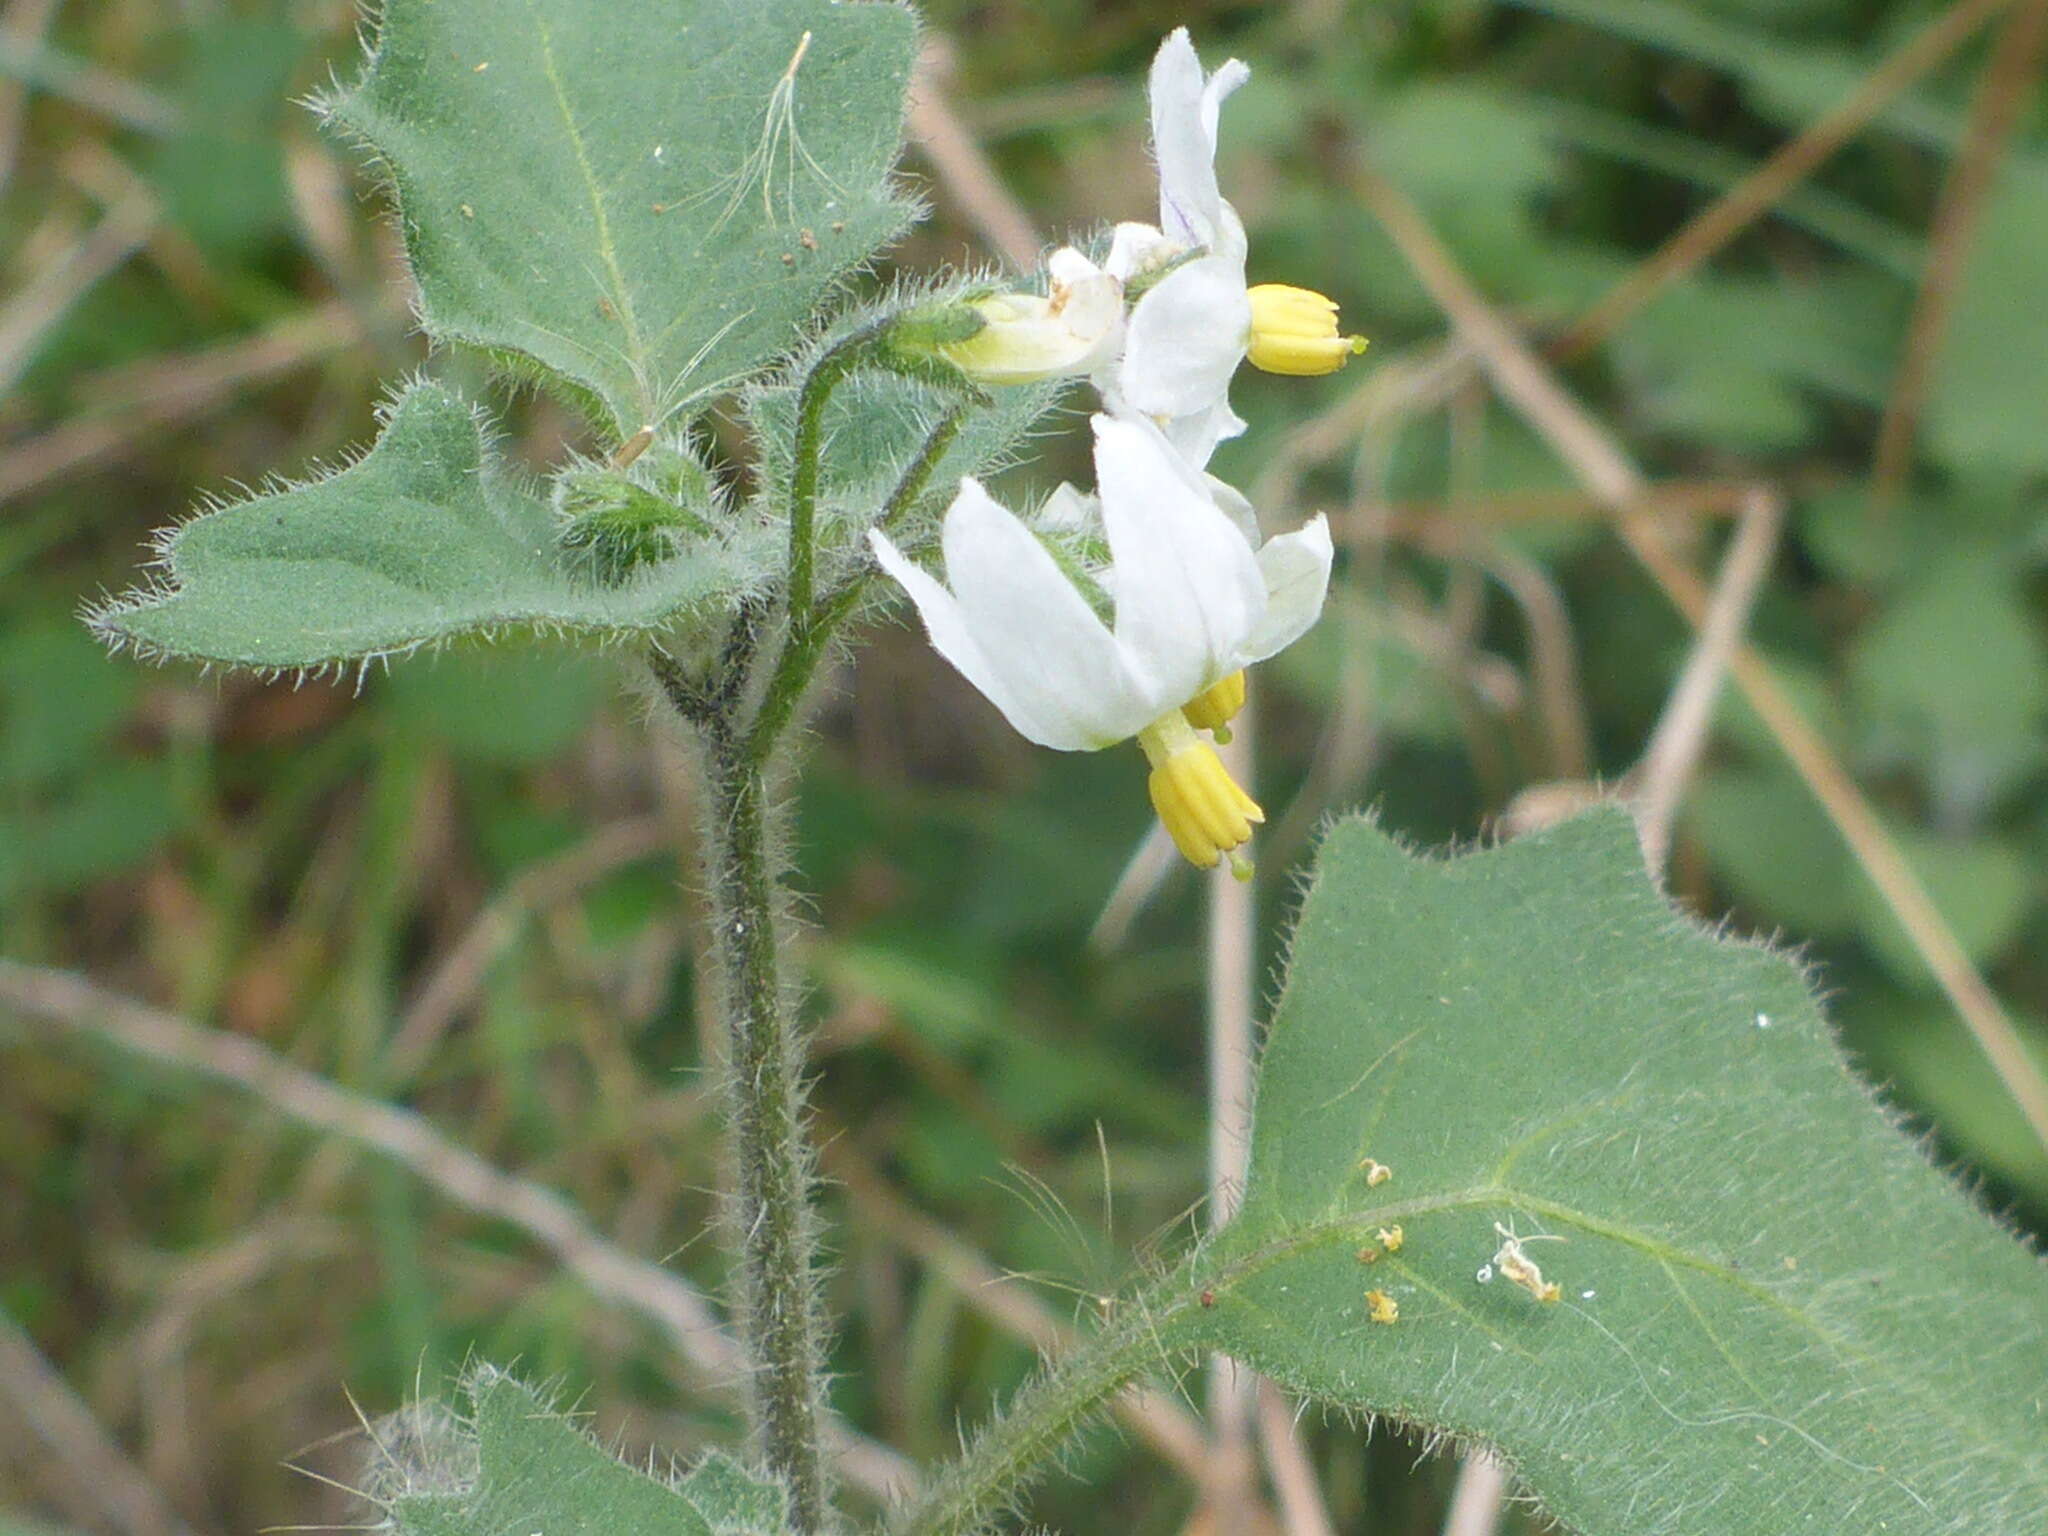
point(647, 201)
point(423, 540)
point(1773, 1314)
point(537, 1472)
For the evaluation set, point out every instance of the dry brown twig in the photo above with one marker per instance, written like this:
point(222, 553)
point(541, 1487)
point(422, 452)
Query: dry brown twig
point(454, 985)
point(1527, 385)
point(961, 165)
point(1996, 112)
point(1751, 198)
point(1657, 783)
point(104, 1476)
point(674, 1306)
point(181, 389)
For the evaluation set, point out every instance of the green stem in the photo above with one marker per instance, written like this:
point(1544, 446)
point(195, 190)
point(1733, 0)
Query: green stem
point(772, 1155)
point(1012, 1448)
point(773, 1166)
point(826, 375)
point(807, 641)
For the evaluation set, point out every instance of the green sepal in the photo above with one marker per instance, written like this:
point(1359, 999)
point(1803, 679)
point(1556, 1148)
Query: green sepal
point(930, 326)
point(615, 521)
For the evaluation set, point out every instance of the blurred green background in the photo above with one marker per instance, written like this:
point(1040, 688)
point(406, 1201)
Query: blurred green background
point(198, 291)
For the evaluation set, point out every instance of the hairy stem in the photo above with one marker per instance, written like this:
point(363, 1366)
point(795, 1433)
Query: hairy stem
point(1015, 1446)
point(778, 1313)
point(826, 375)
point(807, 642)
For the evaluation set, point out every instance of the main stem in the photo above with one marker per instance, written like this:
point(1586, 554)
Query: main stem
point(773, 1217)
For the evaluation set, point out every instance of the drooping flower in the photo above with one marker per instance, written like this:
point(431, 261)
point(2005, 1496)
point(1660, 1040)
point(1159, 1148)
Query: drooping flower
point(1073, 328)
point(1192, 604)
point(1196, 319)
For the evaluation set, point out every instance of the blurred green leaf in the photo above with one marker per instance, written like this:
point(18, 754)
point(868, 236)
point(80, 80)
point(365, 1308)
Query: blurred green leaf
point(1531, 1037)
point(425, 539)
point(1920, 1049)
point(1455, 141)
point(647, 206)
point(113, 817)
point(1981, 885)
point(1986, 413)
point(1768, 839)
point(221, 171)
point(512, 704)
point(1953, 678)
point(59, 701)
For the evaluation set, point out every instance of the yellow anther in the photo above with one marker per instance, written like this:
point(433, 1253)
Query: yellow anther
point(1381, 1307)
point(1294, 330)
point(1392, 1238)
point(1216, 706)
point(1199, 803)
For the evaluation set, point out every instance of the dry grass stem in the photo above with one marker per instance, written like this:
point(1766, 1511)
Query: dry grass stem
point(103, 1476)
point(1229, 985)
point(1757, 193)
point(1996, 113)
point(40, 307)
point(22, 30)
point(666, 1300)
point(1477, 1499)
point(1302, 1510)
point(1528, 386)
point(458, 979)
point(1656, 785)
point(961, 166)
point(181, 390)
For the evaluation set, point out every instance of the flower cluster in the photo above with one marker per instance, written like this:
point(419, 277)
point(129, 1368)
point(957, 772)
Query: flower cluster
point(1134, 612)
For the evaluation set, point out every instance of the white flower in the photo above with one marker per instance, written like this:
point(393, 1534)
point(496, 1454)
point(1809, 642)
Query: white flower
point(1074, 328)
point(1191, 329)
point(1193, 606)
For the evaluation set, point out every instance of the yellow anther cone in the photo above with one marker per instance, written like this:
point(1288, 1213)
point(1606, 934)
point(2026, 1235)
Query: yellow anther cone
point(1216, 707)
point(1201, 806)
point(1294, 330)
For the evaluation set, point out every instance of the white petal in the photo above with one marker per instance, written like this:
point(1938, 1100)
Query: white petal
point(1188, 590)
point(1135, 247)
point(1068, 510)
point(1194, 438)
point(1185, 339)
point(1059, 675)
point(1184, 117)
point(951, 633)
point(1235, 504)
point(1089, 303)
point(1295, 568)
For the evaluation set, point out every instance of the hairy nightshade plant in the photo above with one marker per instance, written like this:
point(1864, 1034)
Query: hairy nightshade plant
point(1757, 1308)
